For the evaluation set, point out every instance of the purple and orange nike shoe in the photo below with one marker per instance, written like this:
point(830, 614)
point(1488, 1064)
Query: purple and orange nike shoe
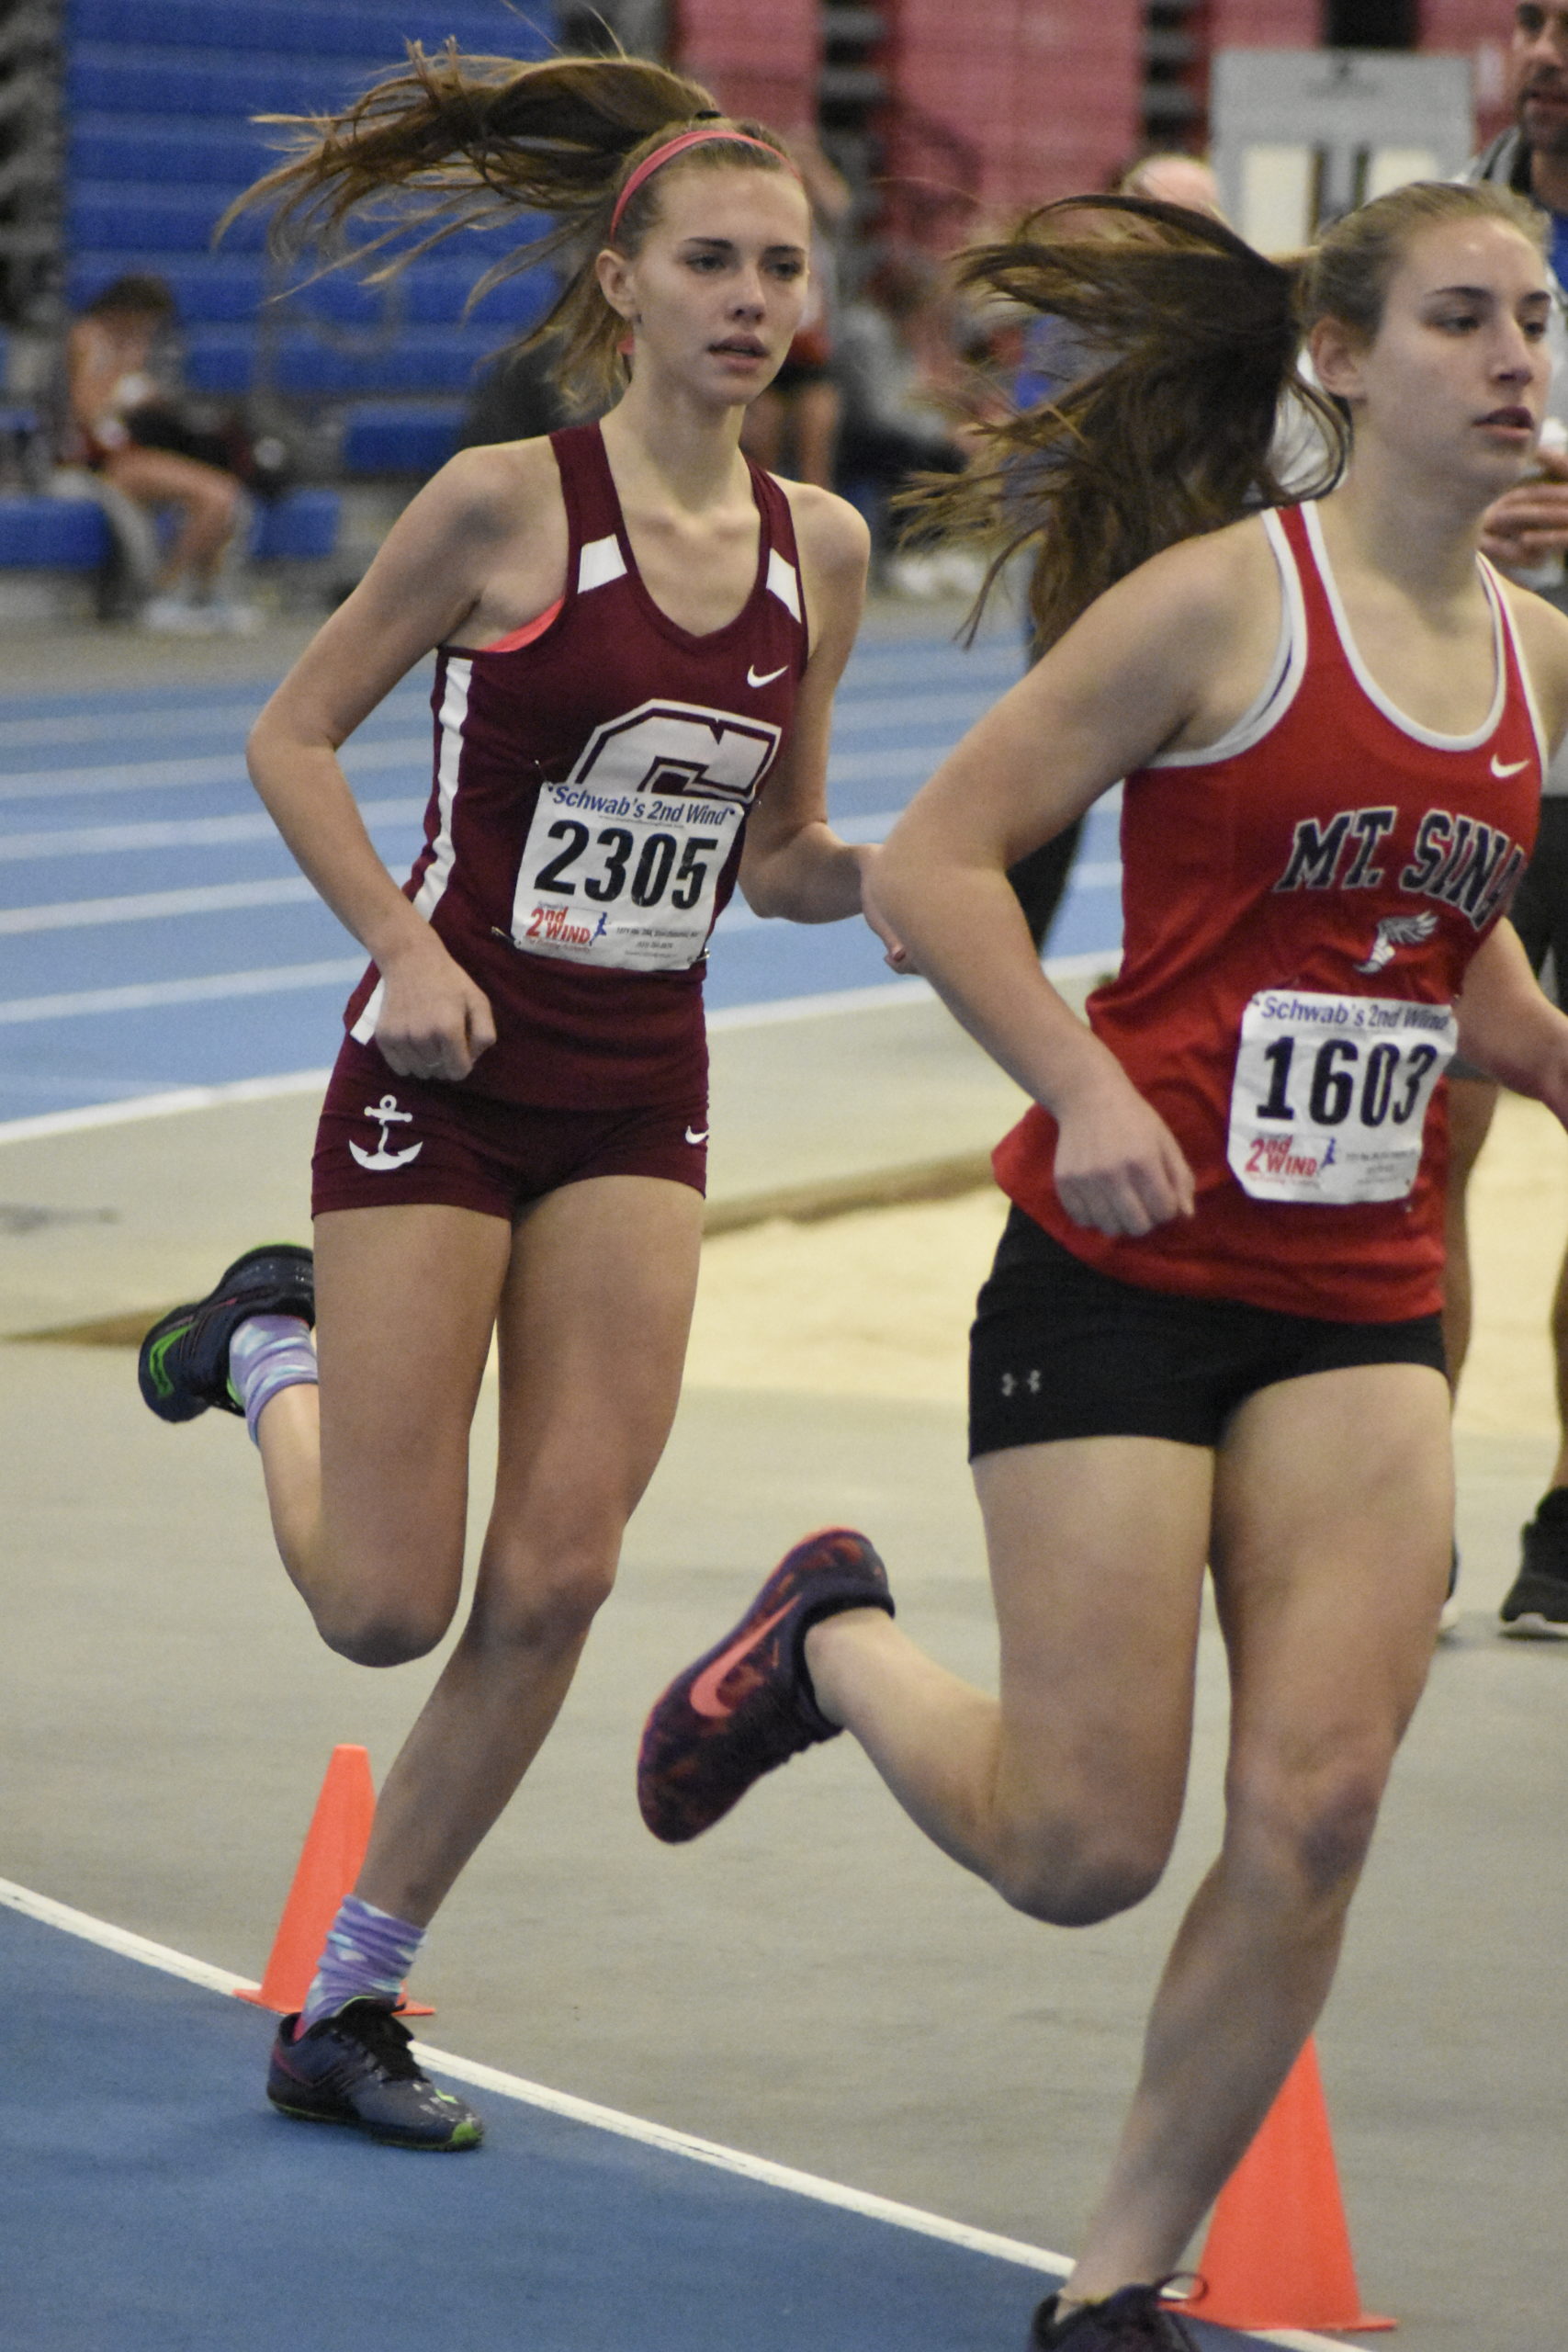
point(747, 1705)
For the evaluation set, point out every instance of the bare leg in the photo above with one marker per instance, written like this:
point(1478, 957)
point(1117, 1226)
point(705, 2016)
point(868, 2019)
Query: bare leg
point(1471, 1103)
point(1333, 1505)
point(207, 499)
point(1064, 1793)
point(1560, 1353)
point(594, 1326)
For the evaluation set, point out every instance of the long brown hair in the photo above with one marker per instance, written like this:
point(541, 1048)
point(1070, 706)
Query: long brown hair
point(461, 143)
point(1187, 344)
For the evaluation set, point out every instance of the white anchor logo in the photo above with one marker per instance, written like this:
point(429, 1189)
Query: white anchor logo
point(384, 1113)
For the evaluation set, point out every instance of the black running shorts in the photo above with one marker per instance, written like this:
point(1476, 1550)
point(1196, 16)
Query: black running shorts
point(1059, 1349)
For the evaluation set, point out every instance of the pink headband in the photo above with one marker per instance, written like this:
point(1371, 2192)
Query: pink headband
point(673, 147)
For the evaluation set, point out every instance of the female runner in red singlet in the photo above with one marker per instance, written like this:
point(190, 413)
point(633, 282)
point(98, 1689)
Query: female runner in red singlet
point(637, 637)
point(1212, 1332)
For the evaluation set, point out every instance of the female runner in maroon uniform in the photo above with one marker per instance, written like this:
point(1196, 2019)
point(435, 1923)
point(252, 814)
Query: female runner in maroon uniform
point(1212, 1332)
point(638, 636)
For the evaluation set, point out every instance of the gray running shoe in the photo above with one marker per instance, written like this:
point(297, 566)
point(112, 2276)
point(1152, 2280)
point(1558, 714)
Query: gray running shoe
point(356, 2068)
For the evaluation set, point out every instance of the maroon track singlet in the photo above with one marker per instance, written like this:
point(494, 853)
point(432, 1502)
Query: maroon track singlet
point(593, 772)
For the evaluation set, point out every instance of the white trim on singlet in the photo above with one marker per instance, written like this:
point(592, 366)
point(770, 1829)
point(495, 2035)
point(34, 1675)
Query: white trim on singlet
point(1369, 684)
point(598, 561)
point(1501, 602)
point(1285, 673)
point(783, 582)
point(438, 873)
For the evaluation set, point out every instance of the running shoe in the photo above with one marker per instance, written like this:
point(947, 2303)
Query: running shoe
point(747, 1705)
point(1134, 2319)
point(184, 1364)
point(1536, 1607)
point(356, 2068)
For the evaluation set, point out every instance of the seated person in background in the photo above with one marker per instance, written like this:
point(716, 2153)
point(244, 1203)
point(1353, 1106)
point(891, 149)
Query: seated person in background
point(121, 416)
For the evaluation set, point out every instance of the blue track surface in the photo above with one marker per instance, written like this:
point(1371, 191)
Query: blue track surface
point(150, 2202)
point(154, 932)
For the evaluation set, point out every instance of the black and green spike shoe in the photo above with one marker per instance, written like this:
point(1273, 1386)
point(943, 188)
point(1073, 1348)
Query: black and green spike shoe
point(184, 1364)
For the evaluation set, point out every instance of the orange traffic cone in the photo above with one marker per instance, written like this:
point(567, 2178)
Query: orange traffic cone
point(1278, 2252)
point(329, 1864)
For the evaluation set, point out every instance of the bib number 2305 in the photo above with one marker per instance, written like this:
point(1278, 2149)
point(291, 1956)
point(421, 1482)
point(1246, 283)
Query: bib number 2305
point(1329, 1100)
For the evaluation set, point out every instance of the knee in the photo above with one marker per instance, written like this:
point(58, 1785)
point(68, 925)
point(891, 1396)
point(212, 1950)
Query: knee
point(380, 1633)
point(544, 1603)
point(1309, 1838)
point(1075, 1878)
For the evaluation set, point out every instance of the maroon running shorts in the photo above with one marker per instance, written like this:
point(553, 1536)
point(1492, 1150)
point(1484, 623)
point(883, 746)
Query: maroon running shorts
point(384, 1139)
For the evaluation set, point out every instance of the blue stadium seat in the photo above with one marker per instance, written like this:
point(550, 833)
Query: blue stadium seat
point(286, 27)
point(389, 437)
point(301, 526)
point(185, 150)
point(157, 106)
point(53, 534)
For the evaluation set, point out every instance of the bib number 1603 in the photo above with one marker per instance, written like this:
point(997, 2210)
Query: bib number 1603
point(1338, 1080)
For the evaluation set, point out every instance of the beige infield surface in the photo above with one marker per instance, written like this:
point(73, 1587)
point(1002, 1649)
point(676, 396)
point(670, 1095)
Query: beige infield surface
point(877, 1302)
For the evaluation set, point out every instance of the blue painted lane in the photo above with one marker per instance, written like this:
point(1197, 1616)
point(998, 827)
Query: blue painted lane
point(154, 932)
point(150, 2202)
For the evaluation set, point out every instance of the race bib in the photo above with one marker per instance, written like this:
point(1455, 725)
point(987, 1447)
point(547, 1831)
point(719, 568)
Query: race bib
point(623, 859)
point(626, 883)
point(1330, 1095)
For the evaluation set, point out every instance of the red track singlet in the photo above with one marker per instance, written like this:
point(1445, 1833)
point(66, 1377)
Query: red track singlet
point(1299, 902)
point(592, 777)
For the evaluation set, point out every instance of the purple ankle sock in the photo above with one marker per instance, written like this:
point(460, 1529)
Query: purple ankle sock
point(268, 1352)
point(367, 1955)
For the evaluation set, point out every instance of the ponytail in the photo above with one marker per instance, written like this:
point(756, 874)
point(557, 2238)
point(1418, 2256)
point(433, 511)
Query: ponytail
point(1189, 409)
point(1186, 343)
point(460, 143)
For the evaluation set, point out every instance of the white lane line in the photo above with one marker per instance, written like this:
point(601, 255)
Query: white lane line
point(229, 717)
point(191, 832)
point(883, 997)
point(168, 1102)
point(182, 776)
point(154, 906)
point(143, 996)
point(127, 1945)
point(362, 758)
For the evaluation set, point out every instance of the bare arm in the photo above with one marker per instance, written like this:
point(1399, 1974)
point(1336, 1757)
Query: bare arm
point(1510, 1028)
point(428, 575)
point(794, 864)
point(1170, 656)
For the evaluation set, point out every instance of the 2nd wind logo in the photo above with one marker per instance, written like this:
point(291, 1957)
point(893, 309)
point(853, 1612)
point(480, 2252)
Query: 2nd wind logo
point(1280, 1157)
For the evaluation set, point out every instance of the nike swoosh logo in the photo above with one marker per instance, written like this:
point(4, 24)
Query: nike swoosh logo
point(753, 680)
point(1506, 767)
point(696, 1135)
point(704, 1695)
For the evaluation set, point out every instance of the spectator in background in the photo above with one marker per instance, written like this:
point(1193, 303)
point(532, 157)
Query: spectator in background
point(1527, 533)
point(892, 423)
point(518, 398)
point(123, 423)
point(1173, 178)
point(793, 426)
